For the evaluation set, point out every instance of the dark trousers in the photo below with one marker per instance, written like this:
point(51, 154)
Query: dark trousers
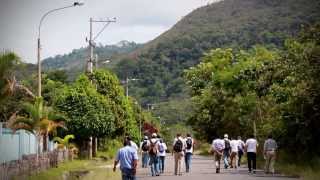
point(161, 163)
point(240, 153)
point(252, 159)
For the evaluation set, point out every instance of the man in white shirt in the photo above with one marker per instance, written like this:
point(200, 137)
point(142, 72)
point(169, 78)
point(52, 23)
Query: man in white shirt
point(188, 152)
point(217, 148)
point(251, 149)
point(178, 148)
point(234, 153)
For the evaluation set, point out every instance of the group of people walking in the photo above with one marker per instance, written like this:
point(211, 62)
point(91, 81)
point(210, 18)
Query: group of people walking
point(232, 150)
point(153, 152)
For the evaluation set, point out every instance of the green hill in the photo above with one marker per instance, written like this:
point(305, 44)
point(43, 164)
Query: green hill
point(230, 23)
point(76, 60)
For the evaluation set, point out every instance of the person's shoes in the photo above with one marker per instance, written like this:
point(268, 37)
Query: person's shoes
point(249, 171)
point(157, 174)
point(218, 170)
point(254, 171)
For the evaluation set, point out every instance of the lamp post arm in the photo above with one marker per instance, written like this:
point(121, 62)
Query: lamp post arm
point(47, 13)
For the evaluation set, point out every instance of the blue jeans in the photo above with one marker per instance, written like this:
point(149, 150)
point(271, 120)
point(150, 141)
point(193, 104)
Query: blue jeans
point(161, 163)
point(154, 165)
point(226, 156)
point(187, 160)
point(145, 159)
point(127, 174)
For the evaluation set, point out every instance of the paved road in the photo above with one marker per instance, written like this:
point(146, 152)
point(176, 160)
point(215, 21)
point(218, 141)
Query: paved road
point(203, 169)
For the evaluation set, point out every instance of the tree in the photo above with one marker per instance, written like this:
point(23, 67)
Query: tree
point(227, 93)
point(88, 113)
point(37, 119)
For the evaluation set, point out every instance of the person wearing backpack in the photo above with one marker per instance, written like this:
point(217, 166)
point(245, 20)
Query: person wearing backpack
point(153, 155)
point(188, 152)
point(162, 155)
point(226, 151)
point(144, 147)
point(178, 147)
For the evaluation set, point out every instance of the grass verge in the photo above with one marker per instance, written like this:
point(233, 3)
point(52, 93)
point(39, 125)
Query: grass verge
point(98, 169)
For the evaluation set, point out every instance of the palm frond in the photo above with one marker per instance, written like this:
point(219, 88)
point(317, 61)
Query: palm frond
point(67, 138)
point(58, 139)
point(32, 111)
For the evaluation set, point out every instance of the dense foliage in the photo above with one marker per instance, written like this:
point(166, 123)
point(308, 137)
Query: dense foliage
point(96, 109)
point(237, 24)
point(260, 91)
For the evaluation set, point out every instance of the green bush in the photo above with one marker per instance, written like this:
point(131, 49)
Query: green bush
point(108, 148)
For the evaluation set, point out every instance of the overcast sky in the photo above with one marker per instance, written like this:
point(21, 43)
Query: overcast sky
point(62, 31)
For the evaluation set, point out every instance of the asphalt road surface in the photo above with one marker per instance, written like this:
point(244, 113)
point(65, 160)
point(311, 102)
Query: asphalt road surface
point(203, 169)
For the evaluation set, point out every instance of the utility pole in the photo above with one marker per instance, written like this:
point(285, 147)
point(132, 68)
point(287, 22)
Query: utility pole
point(89, 70)
point(127, 86)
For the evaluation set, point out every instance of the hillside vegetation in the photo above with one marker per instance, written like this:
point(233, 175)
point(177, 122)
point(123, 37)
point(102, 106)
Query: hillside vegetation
point(76, 60)
point(238, 24)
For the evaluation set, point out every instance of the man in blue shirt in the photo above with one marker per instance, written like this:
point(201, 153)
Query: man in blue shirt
point(128, 158)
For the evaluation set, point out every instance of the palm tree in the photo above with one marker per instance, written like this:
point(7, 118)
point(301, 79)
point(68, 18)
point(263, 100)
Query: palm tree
point(39, 120)
point(7, 63)
point(64, 143)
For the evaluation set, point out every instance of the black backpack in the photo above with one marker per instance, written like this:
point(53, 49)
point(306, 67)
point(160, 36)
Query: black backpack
point(145, 146)
point(189, 143)
point(178, 146)
point(227, 145)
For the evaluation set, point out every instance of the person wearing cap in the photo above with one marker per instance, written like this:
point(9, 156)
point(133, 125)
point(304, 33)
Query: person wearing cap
point(144, 149)
point(226, 151)
point(154, 155)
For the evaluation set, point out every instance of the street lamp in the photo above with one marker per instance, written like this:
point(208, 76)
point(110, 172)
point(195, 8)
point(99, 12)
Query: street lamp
point(127, 85)
point(39, 45)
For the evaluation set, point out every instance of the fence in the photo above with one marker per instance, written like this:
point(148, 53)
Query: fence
point(18, 154)
point(32, 163)
point(14, 145)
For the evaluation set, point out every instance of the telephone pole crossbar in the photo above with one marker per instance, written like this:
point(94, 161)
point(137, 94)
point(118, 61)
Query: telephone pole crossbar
point(89, 67)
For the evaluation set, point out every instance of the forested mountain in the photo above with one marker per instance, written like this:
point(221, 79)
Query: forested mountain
point(76, 60)
point(238, 24)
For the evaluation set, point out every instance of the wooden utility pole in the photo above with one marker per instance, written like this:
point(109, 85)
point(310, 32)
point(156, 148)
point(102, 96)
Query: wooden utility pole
point(89, 69)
